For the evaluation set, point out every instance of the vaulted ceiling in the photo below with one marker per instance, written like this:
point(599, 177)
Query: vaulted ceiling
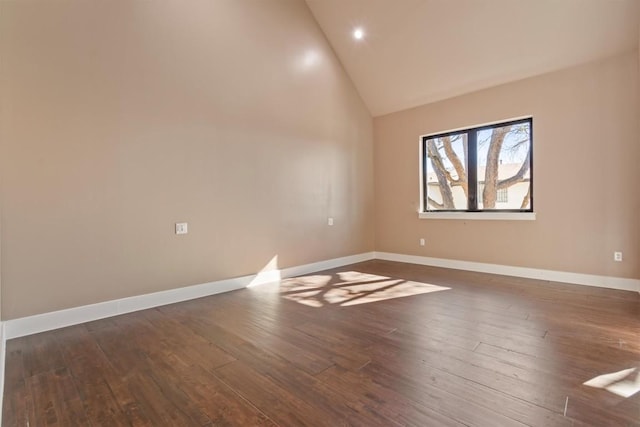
point(419, 51)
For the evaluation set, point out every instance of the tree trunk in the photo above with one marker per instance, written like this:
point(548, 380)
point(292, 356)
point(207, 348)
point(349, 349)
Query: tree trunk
point(490, 193)
point(457, 164)
point(438, 166)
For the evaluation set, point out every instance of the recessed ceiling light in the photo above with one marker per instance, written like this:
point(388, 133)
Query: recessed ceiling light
point(358, 34)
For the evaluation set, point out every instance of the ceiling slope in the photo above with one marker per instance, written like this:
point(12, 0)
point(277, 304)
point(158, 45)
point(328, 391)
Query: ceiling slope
point(419, 51)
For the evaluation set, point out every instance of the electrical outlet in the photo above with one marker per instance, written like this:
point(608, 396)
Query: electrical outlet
point(182, 228)
point(330, 221)
point(617, 256)
point(422, 242)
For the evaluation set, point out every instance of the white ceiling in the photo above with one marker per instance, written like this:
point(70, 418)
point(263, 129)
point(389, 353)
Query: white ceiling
point(420, 51)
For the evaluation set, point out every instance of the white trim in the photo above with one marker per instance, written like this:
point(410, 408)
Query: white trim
point(15, 328)
point(511, 216)
point(326, 265)
point(421, 170)
point(3, 358)
point(530, 273)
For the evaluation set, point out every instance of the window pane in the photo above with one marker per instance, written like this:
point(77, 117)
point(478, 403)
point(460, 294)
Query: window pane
point(504, 167)
point(446, 180)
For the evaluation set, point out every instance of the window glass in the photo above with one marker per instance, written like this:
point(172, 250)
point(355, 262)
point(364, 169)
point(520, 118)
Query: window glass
point(503, 167)
point(487, 168)
point(446, 178)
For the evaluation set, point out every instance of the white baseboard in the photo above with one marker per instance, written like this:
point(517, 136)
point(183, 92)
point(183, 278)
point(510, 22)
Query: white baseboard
point(29, 325)
point(3, 352)
point(326, 265)
point(15, 328)
point(506, 270)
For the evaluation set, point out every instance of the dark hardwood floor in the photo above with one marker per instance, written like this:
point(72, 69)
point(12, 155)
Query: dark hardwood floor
point(375, 343)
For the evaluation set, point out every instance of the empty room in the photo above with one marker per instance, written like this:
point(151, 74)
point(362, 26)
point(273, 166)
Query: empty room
point(320, 213)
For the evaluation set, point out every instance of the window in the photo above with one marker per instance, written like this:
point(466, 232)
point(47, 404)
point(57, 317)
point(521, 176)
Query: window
point(482, 169)
point(503, 194)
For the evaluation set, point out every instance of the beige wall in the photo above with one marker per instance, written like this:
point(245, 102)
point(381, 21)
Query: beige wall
point(121, 118)
point(586, 174)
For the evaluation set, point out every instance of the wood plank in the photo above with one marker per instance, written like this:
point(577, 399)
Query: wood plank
point(56, 400)
point(296, 399)
point(490, 350)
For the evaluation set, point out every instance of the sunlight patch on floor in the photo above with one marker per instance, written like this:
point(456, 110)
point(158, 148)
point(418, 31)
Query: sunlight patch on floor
point(622, 383)
point(350, 288)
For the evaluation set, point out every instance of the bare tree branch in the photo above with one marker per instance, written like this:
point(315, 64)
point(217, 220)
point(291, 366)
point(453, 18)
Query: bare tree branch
point(434, 203)
point(457, 164)
point(526, 199)
point(517, 145)
point(519, 176)
point(441, 173)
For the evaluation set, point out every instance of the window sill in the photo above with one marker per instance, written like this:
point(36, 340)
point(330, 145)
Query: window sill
point(500, 216)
